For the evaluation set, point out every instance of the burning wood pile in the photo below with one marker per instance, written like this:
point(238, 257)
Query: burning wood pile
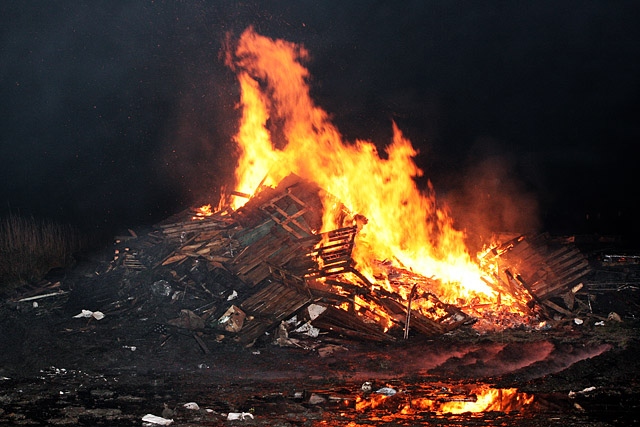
point(338, 239)
point(280, 277)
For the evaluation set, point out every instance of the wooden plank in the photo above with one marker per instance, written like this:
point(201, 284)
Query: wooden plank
point(349, 325)
point(272, 304)
point(557, 308)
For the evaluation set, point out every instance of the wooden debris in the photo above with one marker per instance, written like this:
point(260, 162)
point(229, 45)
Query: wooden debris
point(541, 268)
point(350, 325)
point(268, 248)
point(278, 300)
point(201, 343)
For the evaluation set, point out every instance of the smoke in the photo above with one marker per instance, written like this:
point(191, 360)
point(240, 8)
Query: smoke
point(117, 113)
point(490, 198)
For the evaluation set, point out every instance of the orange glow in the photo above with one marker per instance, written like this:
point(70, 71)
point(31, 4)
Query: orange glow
point(282, 131)
point(477, 399)
point(488, 399)
point(202, 212)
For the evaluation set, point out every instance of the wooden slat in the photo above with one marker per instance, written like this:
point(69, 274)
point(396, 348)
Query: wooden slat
point(273, 304)
point(349, 325)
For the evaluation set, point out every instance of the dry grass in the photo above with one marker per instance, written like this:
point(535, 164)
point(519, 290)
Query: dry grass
point(29, 248)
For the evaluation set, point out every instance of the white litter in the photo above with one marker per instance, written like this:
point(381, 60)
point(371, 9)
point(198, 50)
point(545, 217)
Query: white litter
point(309, 330)
point(98, 315)
point(154, 419)
point(191, 405)
point(387, 391)
point(239, 416)
point(315, 310)
point(573, 394)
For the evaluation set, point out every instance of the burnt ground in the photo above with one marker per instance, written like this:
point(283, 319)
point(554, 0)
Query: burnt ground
point(59, 370)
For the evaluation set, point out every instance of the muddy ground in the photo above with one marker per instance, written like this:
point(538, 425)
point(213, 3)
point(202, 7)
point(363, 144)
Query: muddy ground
point(56, 369)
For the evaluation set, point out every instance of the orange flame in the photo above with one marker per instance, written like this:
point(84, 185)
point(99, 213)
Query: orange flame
point(202, 212)
point(404, 225)
point(480, 398)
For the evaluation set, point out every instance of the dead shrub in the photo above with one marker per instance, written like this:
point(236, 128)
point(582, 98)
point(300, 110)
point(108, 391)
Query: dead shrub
point(30, 248)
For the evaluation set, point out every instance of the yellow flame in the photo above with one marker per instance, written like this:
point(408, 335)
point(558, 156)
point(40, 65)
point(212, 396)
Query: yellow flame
point(404, 223)
point(202, 212)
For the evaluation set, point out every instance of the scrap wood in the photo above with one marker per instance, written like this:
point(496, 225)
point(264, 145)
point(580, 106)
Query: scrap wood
point(201, 343)
point(292, 195)
point(563, 280)
point(51, 294)
point(346, 286)
point(287, 219)
point(334, 249)
point(173, 258)
point(535, 299)
point(557, 308)
point(278, 300)
point(428, 326)
point(188, 225)
point(276, 249)
point(407, 321)
point(131, 261)
point(542, 269)
point(349, 325)
point(32, 290)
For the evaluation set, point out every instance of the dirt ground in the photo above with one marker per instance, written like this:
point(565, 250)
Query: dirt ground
point(56, 369)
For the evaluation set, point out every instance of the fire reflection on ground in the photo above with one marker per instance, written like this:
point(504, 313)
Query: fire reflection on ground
point(443, 399)
point(434, 403)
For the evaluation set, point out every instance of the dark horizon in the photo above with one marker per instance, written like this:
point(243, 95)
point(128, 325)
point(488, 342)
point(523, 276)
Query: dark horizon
point(117, 115)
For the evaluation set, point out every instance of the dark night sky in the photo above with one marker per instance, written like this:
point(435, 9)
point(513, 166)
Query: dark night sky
point(117, 114)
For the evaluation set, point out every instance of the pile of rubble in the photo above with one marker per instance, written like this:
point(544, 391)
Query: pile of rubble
point(262, 271)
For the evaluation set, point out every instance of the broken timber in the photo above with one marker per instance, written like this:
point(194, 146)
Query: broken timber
point(270, 249)
point(541, 269)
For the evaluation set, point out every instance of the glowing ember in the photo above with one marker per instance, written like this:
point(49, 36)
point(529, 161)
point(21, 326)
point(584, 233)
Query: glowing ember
point(403, 224)
point(202, 212)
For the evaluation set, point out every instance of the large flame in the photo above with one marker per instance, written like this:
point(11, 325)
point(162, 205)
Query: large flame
point(404, 224)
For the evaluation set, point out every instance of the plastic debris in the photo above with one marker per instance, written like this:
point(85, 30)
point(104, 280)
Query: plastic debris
point(578, 321)
point(239, 416)
point(367, 387)
point(191, 405)
point(233, 296)
point(161, 288)
point(309, 330)
point(315, 399)
point(154, 419)
point(587, 390)
point(315, 310)
point(98, 315)
point(387, 391)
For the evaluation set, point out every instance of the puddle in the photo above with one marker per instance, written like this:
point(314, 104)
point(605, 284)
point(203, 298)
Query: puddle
point(74, 398)
point(440, 404)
